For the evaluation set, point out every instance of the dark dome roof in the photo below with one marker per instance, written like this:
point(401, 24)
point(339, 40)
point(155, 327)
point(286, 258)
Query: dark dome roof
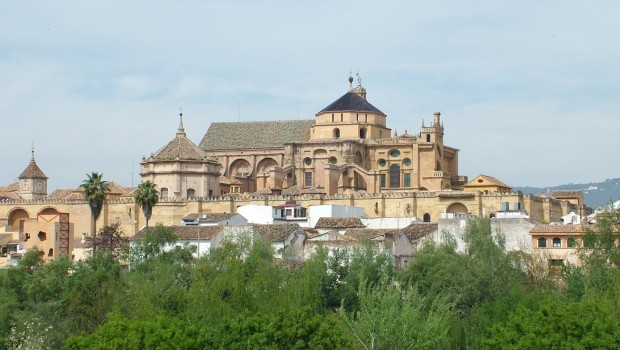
point(351, 102)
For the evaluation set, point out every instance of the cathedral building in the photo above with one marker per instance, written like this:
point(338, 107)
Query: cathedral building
point(346, 147)
point(181, 169)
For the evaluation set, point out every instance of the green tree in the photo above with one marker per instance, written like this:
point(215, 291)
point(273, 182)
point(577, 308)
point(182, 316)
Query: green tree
point(391, 316)
point(95, 189)
point(146, 197)
point(111, 239)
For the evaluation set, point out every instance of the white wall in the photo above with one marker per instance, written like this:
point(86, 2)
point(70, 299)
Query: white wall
point(388, 222)
point(257, 214)
point(315, 212)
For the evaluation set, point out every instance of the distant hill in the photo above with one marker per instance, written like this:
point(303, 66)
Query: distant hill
point(596, 194)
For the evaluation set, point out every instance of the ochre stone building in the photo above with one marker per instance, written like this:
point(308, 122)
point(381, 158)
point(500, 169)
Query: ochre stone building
point(346, 147)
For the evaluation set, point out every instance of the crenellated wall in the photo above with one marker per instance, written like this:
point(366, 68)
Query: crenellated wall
point(386, 204)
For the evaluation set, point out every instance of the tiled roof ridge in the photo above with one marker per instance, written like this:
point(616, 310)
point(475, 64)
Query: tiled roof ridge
point(265, 121)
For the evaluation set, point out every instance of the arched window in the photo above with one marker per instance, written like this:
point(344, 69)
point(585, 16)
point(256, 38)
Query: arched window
point(362, 133)
point(394, 176)
point(336, 133)
point(163, 192)
point(542, 242)
point(426, 217)
point(557, 243)
point(191, 193)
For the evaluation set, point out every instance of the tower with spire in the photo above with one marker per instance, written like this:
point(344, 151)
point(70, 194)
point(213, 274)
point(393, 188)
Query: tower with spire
point(181, 169)
point(32, 181)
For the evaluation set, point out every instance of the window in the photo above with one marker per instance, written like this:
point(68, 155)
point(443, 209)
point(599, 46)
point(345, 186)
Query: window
point(542, 242)
point(341, 117)
point(394, 153)
point(382, 178)
point(382, 162)
point(42, 236)
point(191, 193)
point(333, 160)
point(336, 133)
point(407, 162)
point(505, 206)
point(571, 243)
point(406, 180)
point(362, 133)
point(332, 117)
point(307, 161)
point(428, 137)
point(426, 217)
point(163, 193)
point(557, 243)
point(394, 176)
point(517, 206)
point(308, 179)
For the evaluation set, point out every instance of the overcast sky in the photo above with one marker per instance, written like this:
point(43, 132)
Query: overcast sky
point(528, 90)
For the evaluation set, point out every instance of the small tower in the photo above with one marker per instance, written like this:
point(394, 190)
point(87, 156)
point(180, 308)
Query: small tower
point(434, 132)
point(32, 181)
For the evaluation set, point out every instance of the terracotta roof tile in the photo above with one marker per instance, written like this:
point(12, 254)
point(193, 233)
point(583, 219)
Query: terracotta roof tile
point(567, 229)
point(367, 233)
point(210, 217)
point(418, 230)
point(276, 232)
point(256, 134)
point(349, 222)
point(186, 232)
point(487, 180)
point(32, 171)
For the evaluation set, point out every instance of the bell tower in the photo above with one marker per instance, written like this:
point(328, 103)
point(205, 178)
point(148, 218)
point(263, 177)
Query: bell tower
point(32, 181)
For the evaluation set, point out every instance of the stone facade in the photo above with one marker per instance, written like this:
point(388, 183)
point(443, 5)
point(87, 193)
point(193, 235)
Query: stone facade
point(346, 148)
point(181, 169)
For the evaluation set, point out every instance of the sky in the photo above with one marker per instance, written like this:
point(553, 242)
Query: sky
point(529, 91)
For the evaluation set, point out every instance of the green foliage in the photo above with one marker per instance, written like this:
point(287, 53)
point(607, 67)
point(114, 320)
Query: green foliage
point(239, 297)
point(110, 239)
point(589, 324)
point(121, 333)
point(146, 197)
point(95, 188)
point(391, 316)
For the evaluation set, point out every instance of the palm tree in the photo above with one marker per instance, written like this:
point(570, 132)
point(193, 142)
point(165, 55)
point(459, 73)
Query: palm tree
point(147, 196)
point(94, 192)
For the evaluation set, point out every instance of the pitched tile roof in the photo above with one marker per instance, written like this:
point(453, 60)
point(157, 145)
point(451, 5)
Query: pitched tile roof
point(351, 102)
point(566, 229)
point(418, 230)
point(563, 194)
point(367, 233)
point(65, 193)
point(256, 134)
point(180, 148)
point(210, 217)
point(486, 181)
point(275, 232)
point(329, 222)
point(32, 171)
point(186, 232)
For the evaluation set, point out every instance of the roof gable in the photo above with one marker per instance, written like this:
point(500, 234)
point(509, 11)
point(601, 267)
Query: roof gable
point(486, 180)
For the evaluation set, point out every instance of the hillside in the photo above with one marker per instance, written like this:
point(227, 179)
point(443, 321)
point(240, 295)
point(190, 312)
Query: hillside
point(596, 193)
